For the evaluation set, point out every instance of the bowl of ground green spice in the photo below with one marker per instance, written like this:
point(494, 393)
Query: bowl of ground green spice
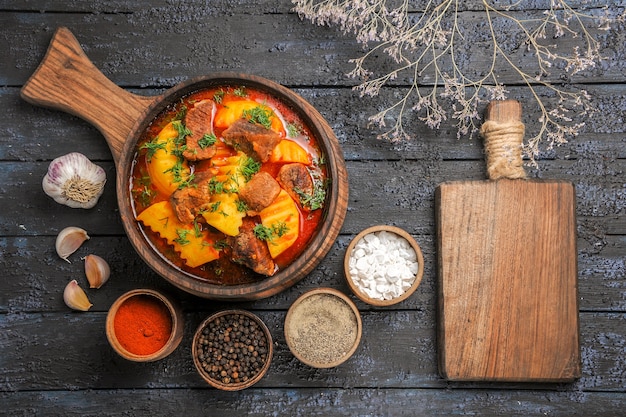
point(323, 328)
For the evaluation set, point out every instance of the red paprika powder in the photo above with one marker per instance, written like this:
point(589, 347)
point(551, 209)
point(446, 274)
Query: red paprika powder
point(142, 324)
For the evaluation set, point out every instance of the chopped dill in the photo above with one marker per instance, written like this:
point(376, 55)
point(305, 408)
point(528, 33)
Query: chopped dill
point(263, 233)
point(268, 234)
point(259, 115)
point(151, 147)
point(293, 130)
point(177, 172)
point(197, 229)
point(242, 207)
point(207, 140)
point(220, 244)
point(320, 161)
point(279, 228)
point(249, 168)
point(316, 200)
point(182, 237)
point(219, 96)
point(240, 92)
point(214, 207)
point(182, 112)
point(216, 186)
point(182, 130)
point(145, 195)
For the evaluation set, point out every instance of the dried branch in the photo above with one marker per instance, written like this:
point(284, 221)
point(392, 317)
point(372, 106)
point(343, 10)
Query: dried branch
point(430, 44)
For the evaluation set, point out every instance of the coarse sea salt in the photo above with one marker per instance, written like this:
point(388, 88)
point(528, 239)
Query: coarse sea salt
point(383, 265)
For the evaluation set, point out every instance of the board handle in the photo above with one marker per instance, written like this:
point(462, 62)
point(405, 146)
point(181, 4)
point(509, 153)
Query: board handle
point(503, 133)
point(67, 80)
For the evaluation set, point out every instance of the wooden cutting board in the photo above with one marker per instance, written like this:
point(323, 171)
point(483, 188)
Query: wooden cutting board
point(507, 276)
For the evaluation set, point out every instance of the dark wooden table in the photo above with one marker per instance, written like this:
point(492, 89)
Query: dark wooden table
point(55, 362)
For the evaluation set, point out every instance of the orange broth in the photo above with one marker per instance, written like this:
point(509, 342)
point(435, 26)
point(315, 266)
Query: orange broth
point(223, 271)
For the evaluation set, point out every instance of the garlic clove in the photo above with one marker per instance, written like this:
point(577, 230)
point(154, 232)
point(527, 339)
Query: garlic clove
point(97, 271)
point(74, 180)
point(75, 298)
point(69, 240)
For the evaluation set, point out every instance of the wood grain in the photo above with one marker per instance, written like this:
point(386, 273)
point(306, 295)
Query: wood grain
point(67, 80)
point(508, 281)
point(57, 363)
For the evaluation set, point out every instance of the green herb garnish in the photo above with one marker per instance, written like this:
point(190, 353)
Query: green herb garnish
point(182, 236)
point(240, 92)
point(263, 233)
point(177, 171)
point(219, 96)
point(207, 140)
point(268, 234)
point(249, 168)
point(151, 147)
point(181, 113)
point(242, 207)
point(279, 228)
point(316, 200)
point(293, 130)
point(213, 207)
point(145, 195)
point(197, 229)
point(259, 115)
point(182, 130)
point(215, 186)
point(220, 244)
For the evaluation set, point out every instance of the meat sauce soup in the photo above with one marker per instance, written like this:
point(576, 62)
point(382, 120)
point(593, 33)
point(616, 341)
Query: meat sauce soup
point(229, 185)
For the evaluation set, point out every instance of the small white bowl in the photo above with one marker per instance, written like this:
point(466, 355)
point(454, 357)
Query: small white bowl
point(355, 288)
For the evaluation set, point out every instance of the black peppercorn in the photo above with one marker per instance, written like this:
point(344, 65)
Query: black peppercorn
point(232, 349)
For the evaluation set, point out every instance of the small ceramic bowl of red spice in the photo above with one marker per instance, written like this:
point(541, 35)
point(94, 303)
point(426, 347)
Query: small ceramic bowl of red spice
point(144, 325)
point(232, 349)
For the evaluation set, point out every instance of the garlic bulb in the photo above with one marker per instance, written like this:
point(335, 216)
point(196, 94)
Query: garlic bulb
point(97, 271)
point(69, 240)
point(75, 297)
point(74, 180)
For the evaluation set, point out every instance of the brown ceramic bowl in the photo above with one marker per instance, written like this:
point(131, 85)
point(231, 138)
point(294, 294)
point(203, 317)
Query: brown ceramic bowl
point(362, 295)
point(67, 80)
point(156, 301)
point(231, 379)
point(323, 328)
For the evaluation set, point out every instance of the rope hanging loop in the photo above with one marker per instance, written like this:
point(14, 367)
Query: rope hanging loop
point(503, 133)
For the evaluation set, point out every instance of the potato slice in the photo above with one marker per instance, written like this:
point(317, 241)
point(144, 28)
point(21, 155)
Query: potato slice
point(228, 171)
point(288, 151)
point(232, 110)
point(193, 245)
point(281, 215)
point(223, 214)
point(166, 170)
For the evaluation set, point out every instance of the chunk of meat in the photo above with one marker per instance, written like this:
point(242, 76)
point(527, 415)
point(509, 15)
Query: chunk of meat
point(250, 251)
point(294, 177)
point(255, 140)
point(187, 202)
point(260, 191)
point(198, 121)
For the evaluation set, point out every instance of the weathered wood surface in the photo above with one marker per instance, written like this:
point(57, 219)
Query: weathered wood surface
point(57, 362)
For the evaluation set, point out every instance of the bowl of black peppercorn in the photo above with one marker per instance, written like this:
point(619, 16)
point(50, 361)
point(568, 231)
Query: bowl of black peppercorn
point(232, 349)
